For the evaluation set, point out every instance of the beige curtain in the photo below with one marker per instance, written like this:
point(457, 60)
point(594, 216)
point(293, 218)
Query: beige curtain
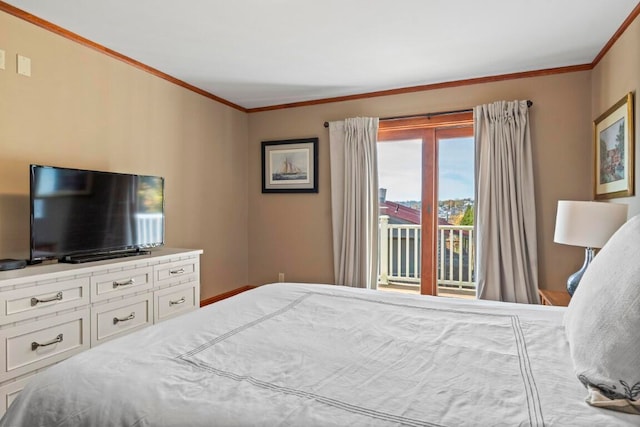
point(506, 263)
point(354, 201)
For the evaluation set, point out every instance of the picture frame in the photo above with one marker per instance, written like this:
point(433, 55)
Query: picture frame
point(614, 150)
point(290, 166)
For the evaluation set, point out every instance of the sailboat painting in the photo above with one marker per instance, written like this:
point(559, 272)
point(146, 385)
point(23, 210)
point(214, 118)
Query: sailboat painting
point(290, 166)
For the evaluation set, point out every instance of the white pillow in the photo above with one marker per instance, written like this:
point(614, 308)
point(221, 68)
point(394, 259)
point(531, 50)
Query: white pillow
point(602, 323)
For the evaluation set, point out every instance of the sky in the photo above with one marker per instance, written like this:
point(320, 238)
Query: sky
point(399, 165)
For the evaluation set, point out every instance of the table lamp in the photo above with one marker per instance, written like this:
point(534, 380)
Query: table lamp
point(587, 224)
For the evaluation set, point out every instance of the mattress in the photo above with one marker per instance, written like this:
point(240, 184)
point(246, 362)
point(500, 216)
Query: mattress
point(320, 355)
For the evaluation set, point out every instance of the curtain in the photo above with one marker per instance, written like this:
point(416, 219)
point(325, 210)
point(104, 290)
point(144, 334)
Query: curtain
point(506, 262)
point(354, 201)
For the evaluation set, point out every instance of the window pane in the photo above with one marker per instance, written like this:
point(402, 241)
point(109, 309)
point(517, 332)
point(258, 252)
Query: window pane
point(455, 168)
point(400, 171)
point(400, 181)
point(455, 217)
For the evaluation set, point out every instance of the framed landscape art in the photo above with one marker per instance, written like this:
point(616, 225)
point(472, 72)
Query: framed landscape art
point(613, 140)
point(290, 166)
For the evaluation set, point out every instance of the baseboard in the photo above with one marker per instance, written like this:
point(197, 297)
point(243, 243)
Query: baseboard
point(224, 295)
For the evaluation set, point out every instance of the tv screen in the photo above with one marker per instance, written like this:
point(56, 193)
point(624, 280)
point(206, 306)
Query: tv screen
point(77, 214)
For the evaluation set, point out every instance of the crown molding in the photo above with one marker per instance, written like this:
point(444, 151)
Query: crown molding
point(12, 10)
point(19, 13)
point(422, 88)
point(632, 16)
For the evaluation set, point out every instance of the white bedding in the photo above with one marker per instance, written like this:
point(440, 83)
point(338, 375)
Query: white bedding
point(321, 355)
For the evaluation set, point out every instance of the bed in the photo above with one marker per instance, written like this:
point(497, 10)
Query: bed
point(292, 354)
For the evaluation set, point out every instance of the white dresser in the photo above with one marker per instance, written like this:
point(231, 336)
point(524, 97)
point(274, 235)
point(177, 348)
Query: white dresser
point(51, 312)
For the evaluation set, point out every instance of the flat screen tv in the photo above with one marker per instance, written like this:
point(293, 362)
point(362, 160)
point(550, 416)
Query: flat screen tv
point(83, 215)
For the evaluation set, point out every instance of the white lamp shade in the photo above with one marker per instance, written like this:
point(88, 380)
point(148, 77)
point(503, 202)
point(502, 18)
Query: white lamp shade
point(588, 224)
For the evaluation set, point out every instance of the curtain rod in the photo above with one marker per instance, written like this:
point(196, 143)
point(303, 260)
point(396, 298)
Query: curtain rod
point(427, 115)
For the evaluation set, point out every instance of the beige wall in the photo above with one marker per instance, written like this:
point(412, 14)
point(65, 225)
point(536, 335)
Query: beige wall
point(86, 110)
point(291, 233)
point(617, 74)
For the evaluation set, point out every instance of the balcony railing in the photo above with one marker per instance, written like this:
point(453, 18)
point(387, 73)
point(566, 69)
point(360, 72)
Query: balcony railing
point(400, 255)
point(149, 227)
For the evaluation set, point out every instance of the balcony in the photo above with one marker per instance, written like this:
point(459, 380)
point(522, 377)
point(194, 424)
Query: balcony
point(400, 257)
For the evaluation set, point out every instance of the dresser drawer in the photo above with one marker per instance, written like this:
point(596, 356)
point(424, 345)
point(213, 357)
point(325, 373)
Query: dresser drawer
point(167, 273)
point(25, 303)
point(117, 318)
point(35, 345)
point(176, 300)
point(105, 286)
point(10, 391)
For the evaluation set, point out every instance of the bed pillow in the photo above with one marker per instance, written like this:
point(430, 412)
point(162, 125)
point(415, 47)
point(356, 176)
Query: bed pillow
point(602, 323)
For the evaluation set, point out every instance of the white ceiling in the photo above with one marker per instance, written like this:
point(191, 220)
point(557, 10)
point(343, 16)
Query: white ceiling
point(257, 53)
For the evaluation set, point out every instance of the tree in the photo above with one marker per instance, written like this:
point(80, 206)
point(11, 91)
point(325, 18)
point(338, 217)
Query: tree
point(467, 218)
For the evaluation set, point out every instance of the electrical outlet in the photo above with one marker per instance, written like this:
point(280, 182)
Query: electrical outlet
point(280, 277)
point(24, 66)
point(2, 54)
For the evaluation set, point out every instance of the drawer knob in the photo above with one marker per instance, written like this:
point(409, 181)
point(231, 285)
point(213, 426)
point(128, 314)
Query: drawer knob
point(117, 284)
point(124, 319)
point(178, 271)
point(35, 345)
point(36, 301)
point(180, 301)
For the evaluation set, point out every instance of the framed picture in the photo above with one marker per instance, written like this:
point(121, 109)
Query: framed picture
point(613, 140)
point(290, 166)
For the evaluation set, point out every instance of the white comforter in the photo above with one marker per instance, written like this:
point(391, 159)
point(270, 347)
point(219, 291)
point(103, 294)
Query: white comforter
point(320, 355)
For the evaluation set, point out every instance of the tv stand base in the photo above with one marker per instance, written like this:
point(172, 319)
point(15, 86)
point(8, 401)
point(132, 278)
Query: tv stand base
point(78, 259)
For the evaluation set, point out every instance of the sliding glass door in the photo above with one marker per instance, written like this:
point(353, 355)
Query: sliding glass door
point(412, 243)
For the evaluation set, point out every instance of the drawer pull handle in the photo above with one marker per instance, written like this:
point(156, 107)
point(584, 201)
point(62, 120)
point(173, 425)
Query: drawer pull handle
point(35, 345)
point(180, 301)
point(124, 319)
point(125, 283)
point(178, 271)
point(36, 301)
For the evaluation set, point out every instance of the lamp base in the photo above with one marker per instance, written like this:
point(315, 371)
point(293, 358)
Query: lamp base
point(574, 279)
